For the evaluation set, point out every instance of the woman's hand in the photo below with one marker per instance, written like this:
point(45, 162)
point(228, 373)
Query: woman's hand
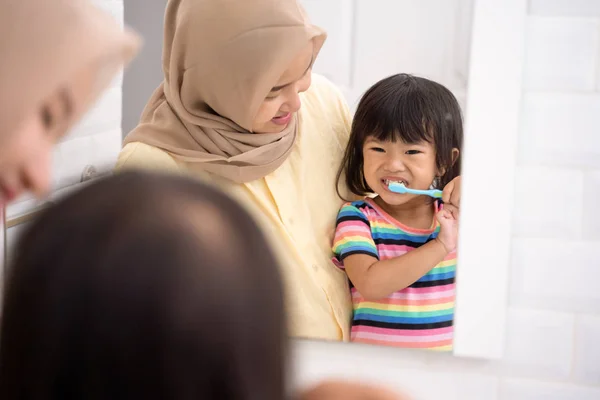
point(448, 219)
point(451, 193)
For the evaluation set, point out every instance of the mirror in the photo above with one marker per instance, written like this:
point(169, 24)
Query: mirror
point(368, 41)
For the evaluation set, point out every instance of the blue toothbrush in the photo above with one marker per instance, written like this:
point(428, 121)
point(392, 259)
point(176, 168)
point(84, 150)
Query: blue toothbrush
point(400, 188)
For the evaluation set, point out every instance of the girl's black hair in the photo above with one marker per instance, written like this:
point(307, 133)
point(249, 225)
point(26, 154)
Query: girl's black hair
point(407, 108)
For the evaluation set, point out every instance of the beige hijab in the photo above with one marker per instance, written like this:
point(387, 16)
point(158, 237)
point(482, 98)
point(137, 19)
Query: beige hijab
point(221, 58)
point(44, 43)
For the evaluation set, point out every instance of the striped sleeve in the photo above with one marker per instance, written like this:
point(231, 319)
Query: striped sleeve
point(352, 234)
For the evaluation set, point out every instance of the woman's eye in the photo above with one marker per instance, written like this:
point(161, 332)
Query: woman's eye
point(56, 111)
point(272, 96)
point(47, 116)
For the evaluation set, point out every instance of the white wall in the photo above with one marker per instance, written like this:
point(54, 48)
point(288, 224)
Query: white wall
point(553, 332)
point(145, 72)
point(372, 39)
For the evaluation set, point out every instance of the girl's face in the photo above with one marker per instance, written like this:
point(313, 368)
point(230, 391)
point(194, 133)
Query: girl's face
point(283, 101)
point(412, 164)
point(26, 153)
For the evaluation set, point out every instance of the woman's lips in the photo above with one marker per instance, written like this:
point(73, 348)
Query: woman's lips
point(7, 195)
point(282, 120)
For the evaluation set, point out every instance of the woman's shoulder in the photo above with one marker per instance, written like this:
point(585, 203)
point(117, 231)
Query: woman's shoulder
point(324, 105)
point(324, 92)
point(137, 155)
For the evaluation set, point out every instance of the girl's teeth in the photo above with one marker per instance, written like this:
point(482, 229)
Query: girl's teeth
point(388, 182)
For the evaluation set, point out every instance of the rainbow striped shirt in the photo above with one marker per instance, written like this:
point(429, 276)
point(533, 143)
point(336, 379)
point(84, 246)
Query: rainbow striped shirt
point(419, 316)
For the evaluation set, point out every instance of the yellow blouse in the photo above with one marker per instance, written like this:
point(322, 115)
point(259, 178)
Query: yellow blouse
point(296, 206)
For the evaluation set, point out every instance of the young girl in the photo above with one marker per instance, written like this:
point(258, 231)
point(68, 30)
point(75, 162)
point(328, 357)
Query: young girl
point(399, 250)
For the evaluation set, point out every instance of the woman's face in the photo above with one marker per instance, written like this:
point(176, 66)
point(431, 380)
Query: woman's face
point(276, 111)
point(25, 157)
point(26, 153)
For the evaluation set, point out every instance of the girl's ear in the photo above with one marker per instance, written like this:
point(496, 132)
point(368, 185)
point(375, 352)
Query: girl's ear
point(455, 154)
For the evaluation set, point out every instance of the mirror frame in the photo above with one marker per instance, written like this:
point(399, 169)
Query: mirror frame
point(489, 163)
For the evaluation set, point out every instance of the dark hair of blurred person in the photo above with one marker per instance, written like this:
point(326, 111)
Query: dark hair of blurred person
point(143, 286)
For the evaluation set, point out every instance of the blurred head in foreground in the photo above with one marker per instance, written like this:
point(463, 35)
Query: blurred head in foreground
point(143, 286)
point(57, 58)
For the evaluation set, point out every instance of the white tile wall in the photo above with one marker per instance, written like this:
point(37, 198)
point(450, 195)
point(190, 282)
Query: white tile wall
point(560, 268)
point(541, 210)
point(591, 193)
point(539, 340)
point(406, 37)
point(553, 337)
point(397, 41)
point(598, 68)
point(560, 129)
point(358, 52)
point(587, 349)
point(560, 53)
point(334, 62)
point(555, 274)
point(565, 8)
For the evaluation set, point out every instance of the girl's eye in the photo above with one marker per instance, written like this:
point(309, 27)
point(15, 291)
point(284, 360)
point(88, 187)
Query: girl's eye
point(412, 152)
point(378, 149)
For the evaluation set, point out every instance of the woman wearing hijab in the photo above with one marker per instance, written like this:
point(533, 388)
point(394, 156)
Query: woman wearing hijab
point(57, 57)
point(239, 107)
point(235, 76)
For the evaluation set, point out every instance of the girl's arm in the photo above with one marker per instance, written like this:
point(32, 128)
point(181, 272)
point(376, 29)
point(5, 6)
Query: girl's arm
point(376, 279)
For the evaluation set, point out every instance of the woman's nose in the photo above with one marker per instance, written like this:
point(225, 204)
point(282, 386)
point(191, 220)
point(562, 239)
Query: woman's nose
point(293, 104)
point(36, 177)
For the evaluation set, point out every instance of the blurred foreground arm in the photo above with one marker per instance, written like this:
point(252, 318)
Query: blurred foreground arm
point(331, 390)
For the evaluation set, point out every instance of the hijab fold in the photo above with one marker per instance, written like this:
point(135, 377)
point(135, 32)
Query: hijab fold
point(47, 42)
point(220, 60)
